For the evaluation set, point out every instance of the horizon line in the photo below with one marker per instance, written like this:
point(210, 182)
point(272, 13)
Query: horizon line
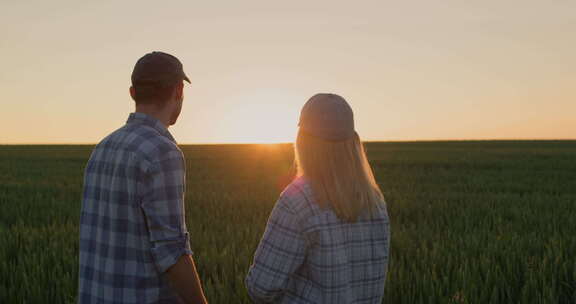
point(291, 142)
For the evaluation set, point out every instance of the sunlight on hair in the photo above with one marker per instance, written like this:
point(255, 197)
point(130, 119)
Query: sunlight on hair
point(340, 174)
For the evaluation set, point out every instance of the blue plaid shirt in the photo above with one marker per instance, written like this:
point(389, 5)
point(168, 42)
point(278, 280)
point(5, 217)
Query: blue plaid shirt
point(308, 255)
point(132, 226)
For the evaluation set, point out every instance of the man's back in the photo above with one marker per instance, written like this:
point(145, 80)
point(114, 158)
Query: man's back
point(132, 226)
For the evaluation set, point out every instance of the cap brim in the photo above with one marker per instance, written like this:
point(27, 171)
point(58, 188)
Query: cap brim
point(186, 78)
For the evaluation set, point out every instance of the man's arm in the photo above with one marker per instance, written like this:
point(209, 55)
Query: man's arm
point(185, 280)
point(163, 208)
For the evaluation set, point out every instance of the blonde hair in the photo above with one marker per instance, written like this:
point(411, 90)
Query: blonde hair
point(339, 174)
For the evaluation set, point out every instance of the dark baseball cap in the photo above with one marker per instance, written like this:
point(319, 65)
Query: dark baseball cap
point(327, 116)
point(158, 68)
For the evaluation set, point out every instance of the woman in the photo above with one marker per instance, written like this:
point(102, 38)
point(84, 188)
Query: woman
point(327, 238)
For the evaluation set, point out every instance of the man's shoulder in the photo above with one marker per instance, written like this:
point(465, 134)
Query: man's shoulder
point(140, 140)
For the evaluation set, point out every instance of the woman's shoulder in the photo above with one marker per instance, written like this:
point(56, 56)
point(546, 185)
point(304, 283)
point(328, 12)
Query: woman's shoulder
point(297, 194)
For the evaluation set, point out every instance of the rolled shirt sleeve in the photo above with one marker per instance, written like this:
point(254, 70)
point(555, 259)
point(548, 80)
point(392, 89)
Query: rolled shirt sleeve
point(280, 253)
point(163, 208)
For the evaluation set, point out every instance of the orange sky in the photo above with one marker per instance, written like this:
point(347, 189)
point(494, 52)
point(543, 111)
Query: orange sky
point(412, 70)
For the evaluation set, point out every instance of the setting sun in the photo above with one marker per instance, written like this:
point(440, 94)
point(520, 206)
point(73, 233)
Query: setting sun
point(260, 117)
point(261, 122)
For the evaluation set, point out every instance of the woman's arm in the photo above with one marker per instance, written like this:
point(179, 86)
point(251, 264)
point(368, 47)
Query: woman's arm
point(281, 251)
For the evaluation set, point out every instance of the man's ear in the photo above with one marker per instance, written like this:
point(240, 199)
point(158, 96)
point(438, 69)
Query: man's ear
point(132, 92)
point(179, 90)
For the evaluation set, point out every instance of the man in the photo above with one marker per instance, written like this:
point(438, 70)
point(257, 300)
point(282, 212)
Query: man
point(134, 245)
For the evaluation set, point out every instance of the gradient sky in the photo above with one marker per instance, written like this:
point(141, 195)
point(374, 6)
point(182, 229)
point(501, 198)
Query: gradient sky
point(412, 70)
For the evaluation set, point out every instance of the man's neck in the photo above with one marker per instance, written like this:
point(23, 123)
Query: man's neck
point(153, 111)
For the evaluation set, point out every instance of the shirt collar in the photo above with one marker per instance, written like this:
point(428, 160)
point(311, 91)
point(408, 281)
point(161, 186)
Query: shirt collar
point(148, 120)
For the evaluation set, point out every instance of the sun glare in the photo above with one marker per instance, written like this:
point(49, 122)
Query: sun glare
point(262, 119)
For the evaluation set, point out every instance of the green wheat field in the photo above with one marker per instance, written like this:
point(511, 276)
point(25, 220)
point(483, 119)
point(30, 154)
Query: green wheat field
point(472, 222)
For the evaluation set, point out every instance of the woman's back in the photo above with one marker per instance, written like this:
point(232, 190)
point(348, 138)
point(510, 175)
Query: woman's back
point(315, 257)
point(327, 238)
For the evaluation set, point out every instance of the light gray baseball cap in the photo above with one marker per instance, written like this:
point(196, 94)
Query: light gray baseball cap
point(327, 116)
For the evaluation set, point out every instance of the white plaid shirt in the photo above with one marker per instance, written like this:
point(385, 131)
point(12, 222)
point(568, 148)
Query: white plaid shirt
point(308, 255)
point(132, 226)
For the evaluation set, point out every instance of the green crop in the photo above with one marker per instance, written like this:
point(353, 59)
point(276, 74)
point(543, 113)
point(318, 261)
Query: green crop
point(472, 222)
